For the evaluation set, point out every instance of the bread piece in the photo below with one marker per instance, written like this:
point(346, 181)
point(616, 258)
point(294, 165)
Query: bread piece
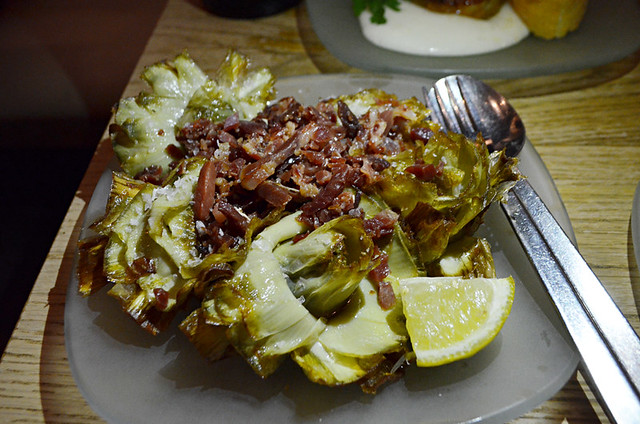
point(550, 19)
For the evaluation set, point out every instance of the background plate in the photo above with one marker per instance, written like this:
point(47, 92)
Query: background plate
point(128, 376)
point(609, 32)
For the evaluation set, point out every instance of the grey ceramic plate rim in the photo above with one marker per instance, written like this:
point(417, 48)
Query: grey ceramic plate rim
point(608, 32)
point(126, 376)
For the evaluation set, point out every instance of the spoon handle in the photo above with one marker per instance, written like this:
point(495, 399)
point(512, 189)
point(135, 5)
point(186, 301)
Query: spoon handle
point(609, 346)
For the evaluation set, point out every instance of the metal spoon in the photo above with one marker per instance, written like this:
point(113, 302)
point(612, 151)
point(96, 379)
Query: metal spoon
point(468, 106)
point(608, 345)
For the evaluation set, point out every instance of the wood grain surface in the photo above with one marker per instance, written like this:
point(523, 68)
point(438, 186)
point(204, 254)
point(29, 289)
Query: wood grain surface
point(585, 125)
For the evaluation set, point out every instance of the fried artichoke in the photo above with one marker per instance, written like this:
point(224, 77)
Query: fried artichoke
point(180, 93)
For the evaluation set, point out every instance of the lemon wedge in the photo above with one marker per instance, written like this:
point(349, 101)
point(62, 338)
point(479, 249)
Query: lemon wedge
point(451, 318)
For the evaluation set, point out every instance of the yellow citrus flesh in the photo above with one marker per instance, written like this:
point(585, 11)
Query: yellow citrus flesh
point(451, 318)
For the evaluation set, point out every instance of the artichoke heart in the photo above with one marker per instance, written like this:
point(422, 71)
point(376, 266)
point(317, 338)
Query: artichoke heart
point(324, 366)
point(265, 320)
point(465, 179)
point(273, 303)
point(354, 341)
point(123, 190)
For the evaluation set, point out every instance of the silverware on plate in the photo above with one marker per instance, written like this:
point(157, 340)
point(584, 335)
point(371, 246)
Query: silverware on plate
point(608, 345)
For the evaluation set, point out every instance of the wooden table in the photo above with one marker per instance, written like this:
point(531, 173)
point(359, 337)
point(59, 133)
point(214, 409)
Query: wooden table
point(585, 125)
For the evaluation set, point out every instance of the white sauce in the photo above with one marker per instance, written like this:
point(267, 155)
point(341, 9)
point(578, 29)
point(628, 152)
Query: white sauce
point(416, 30)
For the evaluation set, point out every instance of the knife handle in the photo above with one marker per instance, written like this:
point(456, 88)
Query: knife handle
point(608, 345)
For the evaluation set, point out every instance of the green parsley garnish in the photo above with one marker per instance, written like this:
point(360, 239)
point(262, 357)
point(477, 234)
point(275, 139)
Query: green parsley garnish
point(376, 7)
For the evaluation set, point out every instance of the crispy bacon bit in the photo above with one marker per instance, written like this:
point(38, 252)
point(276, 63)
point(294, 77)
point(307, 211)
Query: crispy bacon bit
point(257, 172)
point(174, 151)
point(231, 123)
point(204, 196)
point(323, 176)
point(349, 120)
point(238, 222)
point(381, 225)
point(421, 133)
point(274, 193)
point(285, 110)
point(216, 272)
point(392, 368)
point(299, 237)
point(380, 272)
point(386, 296)
point(218, 215)
point(142, 266)
point(425, 172)
point(341, 177)
point(377, 163)
point(151, 174)
point(249, 129)
point(162, 298)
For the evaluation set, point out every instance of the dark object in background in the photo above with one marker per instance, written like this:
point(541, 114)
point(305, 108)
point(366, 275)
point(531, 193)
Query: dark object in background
point(248, 9)
point(62, 69)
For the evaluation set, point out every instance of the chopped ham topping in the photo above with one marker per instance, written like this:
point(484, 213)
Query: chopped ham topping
point(204, 196)
point(386, 296)
point(319, 160)
point(425, 172)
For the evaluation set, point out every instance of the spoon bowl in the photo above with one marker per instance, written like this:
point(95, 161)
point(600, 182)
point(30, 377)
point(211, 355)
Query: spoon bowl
point(468, 106)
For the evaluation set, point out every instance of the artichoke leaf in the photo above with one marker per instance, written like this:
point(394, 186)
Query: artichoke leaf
point(468, 257)
point(123, 190)
point(128, 237)
point(411, 109)
point(90, 271)
point(210, 340)
point(171, 222)
point(427, 232)
point(237, 87)
point(323, 366)
point(327, 265)
point(503, 175)
point(401, 262)
point(246, 88)
point(363, 328)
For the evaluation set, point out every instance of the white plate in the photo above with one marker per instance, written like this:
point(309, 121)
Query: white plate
point(128, 376)
point(608, 32)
